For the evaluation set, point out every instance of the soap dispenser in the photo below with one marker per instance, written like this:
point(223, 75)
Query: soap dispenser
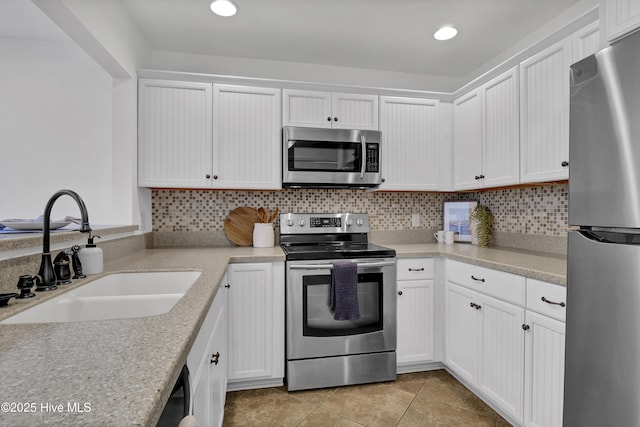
point(91, 257)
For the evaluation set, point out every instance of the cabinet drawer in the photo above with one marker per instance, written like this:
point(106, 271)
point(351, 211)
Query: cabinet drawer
point(555, 298)
point(415, 268)
point(505, 286)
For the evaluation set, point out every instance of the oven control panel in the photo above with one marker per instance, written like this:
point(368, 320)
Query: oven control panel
point(323, 223)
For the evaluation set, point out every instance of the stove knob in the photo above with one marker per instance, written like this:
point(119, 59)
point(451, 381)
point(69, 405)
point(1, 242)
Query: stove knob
point(359, 222)
point(301, 223)
point(290, 222)
point(349, 223)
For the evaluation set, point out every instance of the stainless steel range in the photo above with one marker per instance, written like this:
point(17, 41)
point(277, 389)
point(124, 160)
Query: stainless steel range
point(322, 351)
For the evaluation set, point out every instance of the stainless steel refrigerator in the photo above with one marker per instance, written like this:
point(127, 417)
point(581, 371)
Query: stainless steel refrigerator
point(602, 362)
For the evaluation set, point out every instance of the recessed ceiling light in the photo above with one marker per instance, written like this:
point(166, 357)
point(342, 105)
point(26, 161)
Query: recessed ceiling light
point(224, 7)
point(445, 33)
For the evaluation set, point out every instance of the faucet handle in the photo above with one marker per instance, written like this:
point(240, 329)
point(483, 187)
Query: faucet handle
point(25, 283)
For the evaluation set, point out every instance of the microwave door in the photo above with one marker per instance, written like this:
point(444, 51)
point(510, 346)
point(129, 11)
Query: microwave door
point(324, 156)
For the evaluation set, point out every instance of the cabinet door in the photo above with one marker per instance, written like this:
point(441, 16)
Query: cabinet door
point(353, 111)
point(623, 16)
point(501, 138)
point(502, 354)
point(246, 137)
point(410, 155)
point(307, 108)
point(209, 380)
point(467, 141)
point(416, 320)
point(544, 371)
point(462, 329)
point(256, 331)
point(586, 41)
point(544, 114)
point(174, 134)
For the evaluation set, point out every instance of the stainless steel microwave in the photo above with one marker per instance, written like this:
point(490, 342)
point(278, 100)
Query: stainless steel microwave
point(330, 158)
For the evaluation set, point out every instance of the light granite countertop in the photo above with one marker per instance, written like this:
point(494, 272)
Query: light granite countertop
point(125, 369)
point(535, 265)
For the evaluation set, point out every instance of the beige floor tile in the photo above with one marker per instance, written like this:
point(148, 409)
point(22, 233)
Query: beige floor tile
point(322, 418)
point(501, 422)
point(442, 387)
point(437, 414)
point(315, 397)
point(373, 405)
point(265, 407)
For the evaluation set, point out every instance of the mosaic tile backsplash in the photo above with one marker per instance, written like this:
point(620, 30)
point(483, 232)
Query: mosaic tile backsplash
point(541, 210)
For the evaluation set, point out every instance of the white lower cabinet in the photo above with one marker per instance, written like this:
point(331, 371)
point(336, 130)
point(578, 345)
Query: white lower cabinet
point(415, 314)
point(256, 325)
point(544, 354)
point(207, 362)
point(484, 342)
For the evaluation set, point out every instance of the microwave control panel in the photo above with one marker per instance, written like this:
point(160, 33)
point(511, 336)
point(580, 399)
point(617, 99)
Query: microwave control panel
point(373, 158)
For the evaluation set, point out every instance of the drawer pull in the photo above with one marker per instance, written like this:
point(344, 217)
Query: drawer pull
point(476, 279)
point(561, 304)
point(416, 269)
point(474, 305)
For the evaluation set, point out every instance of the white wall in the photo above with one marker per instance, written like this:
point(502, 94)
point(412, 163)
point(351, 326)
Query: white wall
point(55, 130)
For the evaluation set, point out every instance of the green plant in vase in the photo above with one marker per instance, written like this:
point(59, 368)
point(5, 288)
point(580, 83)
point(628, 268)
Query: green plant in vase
point(482, 220)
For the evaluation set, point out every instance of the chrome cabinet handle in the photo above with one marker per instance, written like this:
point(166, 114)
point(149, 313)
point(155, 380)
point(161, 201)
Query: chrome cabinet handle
point(215, 358)
point(363, 143)
point(416, 269)
point(330, 266)
point(477, 279)
point(561, 304)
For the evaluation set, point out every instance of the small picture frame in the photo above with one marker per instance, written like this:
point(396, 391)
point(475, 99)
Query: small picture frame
point(456, 218)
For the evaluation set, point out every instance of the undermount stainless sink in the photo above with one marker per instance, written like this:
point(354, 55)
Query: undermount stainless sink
point(114, 296)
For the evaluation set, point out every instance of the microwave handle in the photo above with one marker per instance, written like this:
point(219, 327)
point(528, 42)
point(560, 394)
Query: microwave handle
point(330, 266)
point(363, 142)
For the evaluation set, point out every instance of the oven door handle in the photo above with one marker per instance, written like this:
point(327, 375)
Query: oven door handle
point(330, 266)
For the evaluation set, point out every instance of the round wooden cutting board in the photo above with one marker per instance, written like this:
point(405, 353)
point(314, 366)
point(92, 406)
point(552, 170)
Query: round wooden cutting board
point(238, 226)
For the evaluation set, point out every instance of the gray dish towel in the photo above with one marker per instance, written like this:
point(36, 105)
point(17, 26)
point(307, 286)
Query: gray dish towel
point(343, 300)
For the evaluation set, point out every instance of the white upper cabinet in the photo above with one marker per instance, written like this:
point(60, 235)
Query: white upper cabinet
point(623, 16)
point(174, 134)
point(544, 114)
point(586, 41)
point(330, 110)
point(198, 135)
point(467, 141)
point(486, 135)
point(410, 155)
point(246, 137)
point(501, 139)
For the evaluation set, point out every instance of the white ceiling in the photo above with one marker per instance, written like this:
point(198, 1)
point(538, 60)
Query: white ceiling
point(393, 35)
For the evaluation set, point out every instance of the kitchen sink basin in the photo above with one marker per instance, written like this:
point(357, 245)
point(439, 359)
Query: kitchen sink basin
point(114, 296)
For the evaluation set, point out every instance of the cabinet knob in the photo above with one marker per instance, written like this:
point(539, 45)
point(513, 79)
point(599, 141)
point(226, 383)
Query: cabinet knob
point(472, 305)
point(565, 164)
point(328, 119)
point(227, 286)
point(399, 292)
point(335, 119)
point(215, 358)
point(382, 180)
point(215, 176)
point(525, 327)
point(207, 176)
point(481, 176)
point(477, 177)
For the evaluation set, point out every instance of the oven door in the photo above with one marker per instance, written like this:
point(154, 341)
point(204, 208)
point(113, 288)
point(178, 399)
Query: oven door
point(311, 328)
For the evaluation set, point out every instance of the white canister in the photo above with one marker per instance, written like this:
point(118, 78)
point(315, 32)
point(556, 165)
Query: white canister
point(263, 235)
point(449, 237)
